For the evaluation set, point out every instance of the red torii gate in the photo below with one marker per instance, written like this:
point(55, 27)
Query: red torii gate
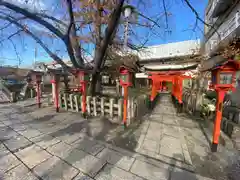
point(175, 77)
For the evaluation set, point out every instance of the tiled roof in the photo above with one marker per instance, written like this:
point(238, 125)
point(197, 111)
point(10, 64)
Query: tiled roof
point(14, 73)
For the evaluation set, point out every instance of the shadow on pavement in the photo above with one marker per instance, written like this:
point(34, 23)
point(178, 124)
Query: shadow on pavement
point(100, 130)
point(177, 173)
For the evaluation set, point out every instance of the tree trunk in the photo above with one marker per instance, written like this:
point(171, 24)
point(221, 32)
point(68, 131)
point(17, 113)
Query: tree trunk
point(199, 95)
point(95, 87)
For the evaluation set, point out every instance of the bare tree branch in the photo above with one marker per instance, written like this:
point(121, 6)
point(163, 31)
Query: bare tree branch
point(199, 18)
point(71, 37)
point(149, 19)
point(18, 32)
point(22, 27)
point(113, 23)
point(165, 12)
point(33, 17)
point(15, 49)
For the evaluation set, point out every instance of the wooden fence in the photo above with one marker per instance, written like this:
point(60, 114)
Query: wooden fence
point(110, 108)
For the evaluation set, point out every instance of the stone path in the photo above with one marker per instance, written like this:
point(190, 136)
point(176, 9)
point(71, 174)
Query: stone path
point(41, 144)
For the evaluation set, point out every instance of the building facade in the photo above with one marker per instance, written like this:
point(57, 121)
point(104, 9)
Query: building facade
point(222, 27)
point(222, 24)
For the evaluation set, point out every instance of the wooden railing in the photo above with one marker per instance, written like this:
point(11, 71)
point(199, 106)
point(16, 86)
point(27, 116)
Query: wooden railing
point(110, 108)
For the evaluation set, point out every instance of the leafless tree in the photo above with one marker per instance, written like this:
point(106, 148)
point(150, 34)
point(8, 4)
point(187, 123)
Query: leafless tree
point(76, 24)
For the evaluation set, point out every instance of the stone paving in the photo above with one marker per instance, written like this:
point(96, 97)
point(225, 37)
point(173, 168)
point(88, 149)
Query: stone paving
point(41, 144)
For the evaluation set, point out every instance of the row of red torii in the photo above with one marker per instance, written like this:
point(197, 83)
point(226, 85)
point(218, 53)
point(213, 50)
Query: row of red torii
point(223, 80)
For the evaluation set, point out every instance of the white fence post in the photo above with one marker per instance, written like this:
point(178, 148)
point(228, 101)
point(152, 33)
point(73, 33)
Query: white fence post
point(102, 105)
point(65, 99)
point(132, 108)
point(120, 110)
point(88, 104)
point(95, 106)
point(111, 102)
point(60, 100)
point(71, 101)
point(76, 102)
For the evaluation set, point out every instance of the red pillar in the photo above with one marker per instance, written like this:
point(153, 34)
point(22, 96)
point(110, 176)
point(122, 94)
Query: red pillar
point(53, 90)
point(173, 86)
point(153, 92)
point(180, 89)
point(218, 118)
point(56, 95)
point(84, 97)
point(125, 102)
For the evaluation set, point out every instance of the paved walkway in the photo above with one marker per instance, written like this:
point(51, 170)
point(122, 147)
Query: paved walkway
point(41, 144)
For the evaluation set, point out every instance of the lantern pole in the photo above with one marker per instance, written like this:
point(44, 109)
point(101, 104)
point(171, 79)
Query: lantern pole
point(55, 92)
point(218, 118)
point(84, 92)
point(84, 99)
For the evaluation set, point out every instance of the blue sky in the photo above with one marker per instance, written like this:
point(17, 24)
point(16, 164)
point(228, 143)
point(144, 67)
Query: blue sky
point(180, 20)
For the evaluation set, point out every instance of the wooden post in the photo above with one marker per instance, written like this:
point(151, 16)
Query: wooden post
point(218, 118)
point(120, 110)
point(31, 93)
point(60, 100)
point(94, 106)
point(80, 102)
point(65, 99)
point(132, 108)
point(102, 106)
point(88, 104)
point(111, 103)
point(71, 101)
point(76, 102)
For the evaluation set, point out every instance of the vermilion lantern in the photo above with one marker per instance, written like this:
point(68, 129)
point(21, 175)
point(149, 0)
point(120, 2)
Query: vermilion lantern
point(125, 77)
point(83, 77)
point(223, 80)
point(224, 76)
point(37, 77)
point(125, 82)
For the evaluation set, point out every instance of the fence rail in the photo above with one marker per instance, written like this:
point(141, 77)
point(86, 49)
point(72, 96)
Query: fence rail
point(110, 108)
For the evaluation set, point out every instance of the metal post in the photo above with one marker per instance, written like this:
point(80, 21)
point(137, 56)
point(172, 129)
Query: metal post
point(218, 118)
